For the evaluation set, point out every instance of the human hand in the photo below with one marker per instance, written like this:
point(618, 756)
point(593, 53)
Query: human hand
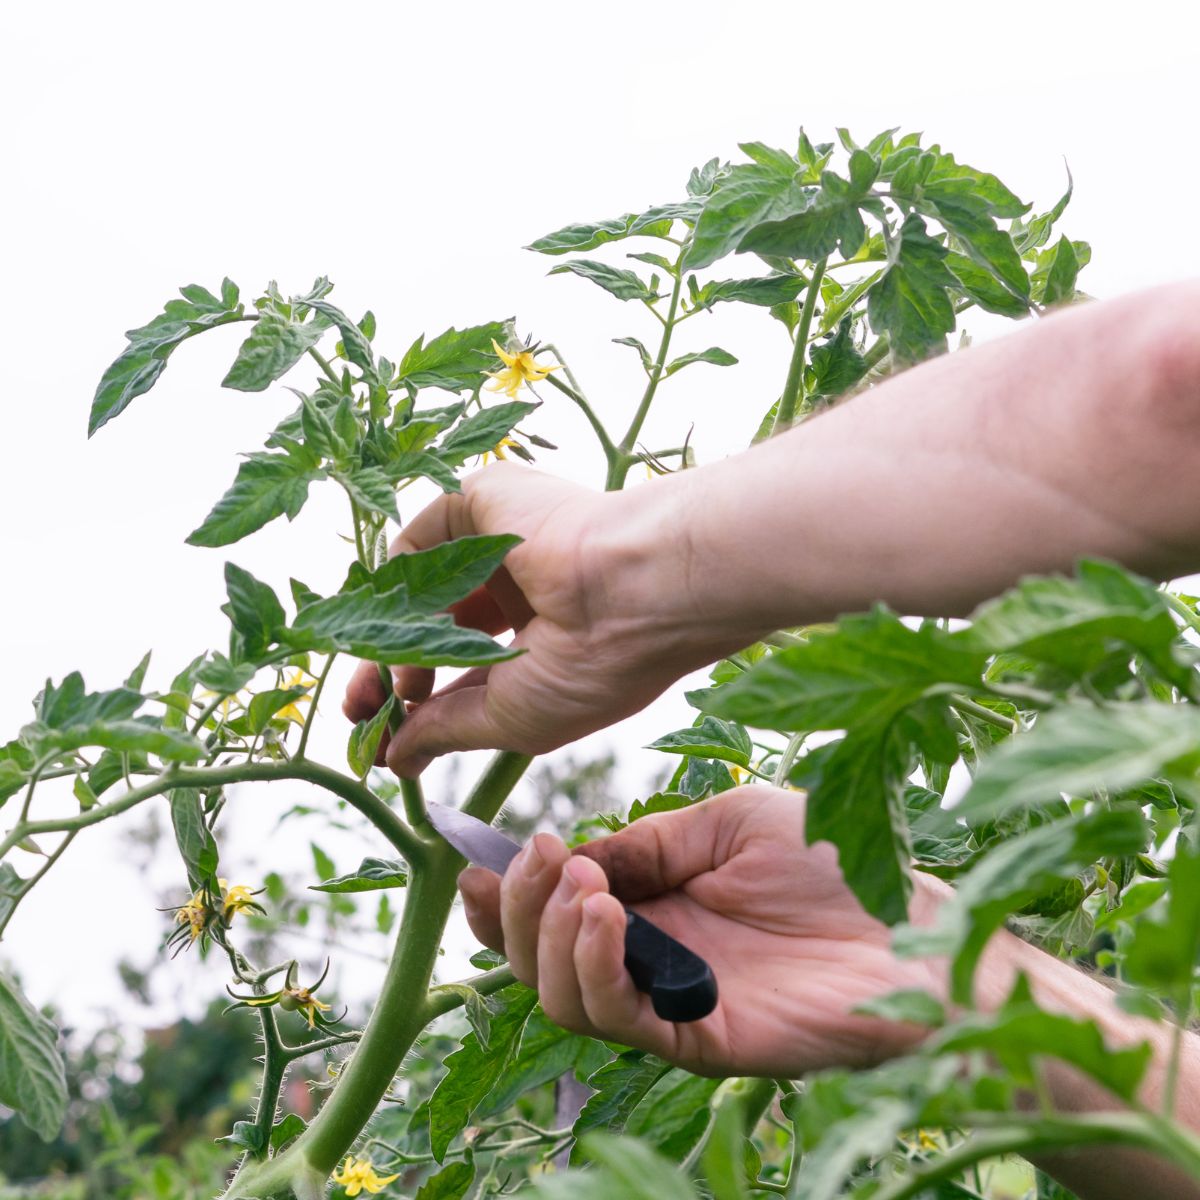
point(594, 595)
point(734, 880)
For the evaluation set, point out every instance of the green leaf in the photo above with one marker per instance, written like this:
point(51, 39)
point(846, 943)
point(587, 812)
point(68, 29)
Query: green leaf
point(137, 676)
point(1020, 1034)
point(617, 1089)
point(674, 1114)
point(837, 365)
point(1163, 954)
point(12, 779)
point(547, 1052)
point(254, 610)
point(482, 430)
point(357, 347)
point(1077, 750)
point(982, 286)
point(137, 369)
point(223, 677)
point(373, 875)
point(643, 353)
point(274, 347)
point(365, 738)
point(283, 1131)
point(869, 668)
point(747, 196)
point(910, 1005)
point(633, 1171)
point(452, 1182)
point(856, 801)
point(423, 465)
point(714, 355)
point(455, 361)
point(1064, 270)
point(472, 1072)
point(267, 486)
point(266, 704)
point(1037, 232)
point(1009, 876)
point(655, 222)
point(1072, 623)
point(436, 578)
point(322, 863)
point(948, 178)
point(709, 738)
point(829, 221)
point(376, 627)
point(990, 247)
point(910, 302)
point(765, 291)
point(196, 845)
point(72, 704)
point(371, 489)
point(625, 285)
point(32, 1079)
point(659, 802)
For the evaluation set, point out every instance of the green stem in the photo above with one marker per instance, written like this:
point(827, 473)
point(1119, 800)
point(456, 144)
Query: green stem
point(602, 434)
point(323, 363)
point(29, 883)
point(965, 704)
point(312, 708)
point(443, 999)
point(411, 792)
point(1171, 1084)
point(492, 788)
point(793, 386)
point(788, 758)
point(274, 1067)
point(619, 468)
point(350, 790)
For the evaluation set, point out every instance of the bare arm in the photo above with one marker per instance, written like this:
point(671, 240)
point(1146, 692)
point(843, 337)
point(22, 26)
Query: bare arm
point(1078, 435)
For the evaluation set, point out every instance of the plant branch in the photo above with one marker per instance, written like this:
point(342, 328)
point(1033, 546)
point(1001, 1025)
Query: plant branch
point(793, 386)
point(602, 434)
point(967, 705)
point(323, 363)
point(354, 793)
point(302, 749)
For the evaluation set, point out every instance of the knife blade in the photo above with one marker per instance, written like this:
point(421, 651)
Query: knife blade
point(680, 984)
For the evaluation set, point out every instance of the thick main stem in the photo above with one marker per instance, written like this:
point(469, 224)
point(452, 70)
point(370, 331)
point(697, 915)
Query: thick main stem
point(785, 415)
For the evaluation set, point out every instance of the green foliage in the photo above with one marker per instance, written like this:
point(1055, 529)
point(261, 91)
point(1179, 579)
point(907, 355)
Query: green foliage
point(1067, 704)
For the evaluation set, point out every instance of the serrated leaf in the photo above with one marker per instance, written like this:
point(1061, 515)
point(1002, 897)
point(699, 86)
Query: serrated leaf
point(32, 1078)
point(632, 1170)
point(452, 1182)
point(472, 1072)
point(372, 875)
point(837, 365)
point(710, 737)
point(455, 361)
point(274, 346)
point(372, 490)
point(714, 355)
point(910, 302)
point(423, 465)
point(982, 286)
point(1076, 750)
point(655, 222)
point(369, 626)
point(1011, 874)
point(674, 1114)
point(617, 281)
point(865, 670)
point(267, 486)
point(355, 342)
point(829, 221)
point(764, 290)
point(1163, 953)
point(137, 369)
point(365, 738)
point(643, 353)
point(1060, 278)
point(618, 1087)
point(482, 430)
point(254, 610)
point(990, 247)
point(223, 677)
point(265, 705)
point(196, 845)
point(856, 801)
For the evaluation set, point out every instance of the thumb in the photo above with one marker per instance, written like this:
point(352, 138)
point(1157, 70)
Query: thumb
point(453, 720)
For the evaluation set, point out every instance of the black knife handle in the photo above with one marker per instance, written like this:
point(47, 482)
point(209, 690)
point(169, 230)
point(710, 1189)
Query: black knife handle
point(680, 984)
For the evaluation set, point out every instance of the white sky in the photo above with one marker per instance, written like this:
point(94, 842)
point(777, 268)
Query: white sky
point(409, 151)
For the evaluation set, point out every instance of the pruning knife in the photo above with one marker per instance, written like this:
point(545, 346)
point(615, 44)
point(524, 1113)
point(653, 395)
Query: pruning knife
point(680, 984)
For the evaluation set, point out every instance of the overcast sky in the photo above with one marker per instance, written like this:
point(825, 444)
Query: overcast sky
point(409, 152)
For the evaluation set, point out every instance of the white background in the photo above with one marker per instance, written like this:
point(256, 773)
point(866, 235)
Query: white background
point(409, 151)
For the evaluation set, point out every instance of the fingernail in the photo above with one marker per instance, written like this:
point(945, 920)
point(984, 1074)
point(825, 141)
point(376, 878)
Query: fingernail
point(534, 862)
point(572, 879)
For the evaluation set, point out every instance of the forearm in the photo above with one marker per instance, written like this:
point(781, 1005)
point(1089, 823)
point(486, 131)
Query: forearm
point(942, 486)
point(1113, 1173)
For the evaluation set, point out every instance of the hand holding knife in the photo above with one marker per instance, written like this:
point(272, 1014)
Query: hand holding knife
point(680, 984)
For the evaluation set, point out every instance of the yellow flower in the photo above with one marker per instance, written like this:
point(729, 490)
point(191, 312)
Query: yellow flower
point(302, 1000)
point(193, 914)
point(497, 450)
point(297, 679)
point(236, 899)
point(358, 1175)
point(925, 1141)
point(740, 774)
point(519, 368)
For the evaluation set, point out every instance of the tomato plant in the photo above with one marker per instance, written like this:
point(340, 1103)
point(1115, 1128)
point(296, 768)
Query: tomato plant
point(1067, 705)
